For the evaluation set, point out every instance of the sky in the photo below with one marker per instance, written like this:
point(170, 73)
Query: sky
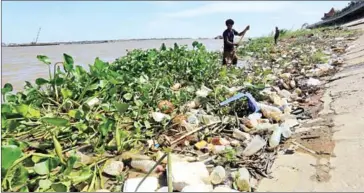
point(109, 20)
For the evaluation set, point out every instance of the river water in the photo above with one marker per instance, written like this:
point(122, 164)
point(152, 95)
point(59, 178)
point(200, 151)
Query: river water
point(20, 64)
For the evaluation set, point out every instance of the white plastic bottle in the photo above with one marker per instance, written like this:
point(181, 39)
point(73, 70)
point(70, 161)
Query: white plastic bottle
point(275, 138)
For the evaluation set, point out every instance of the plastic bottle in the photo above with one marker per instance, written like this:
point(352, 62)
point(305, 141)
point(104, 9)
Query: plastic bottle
point(218, 175)
point(242, 180)
point(269, 108)
point(254, 146)
point(275, 138)
point(263, 126)
point(144, 165)
point(241, 135)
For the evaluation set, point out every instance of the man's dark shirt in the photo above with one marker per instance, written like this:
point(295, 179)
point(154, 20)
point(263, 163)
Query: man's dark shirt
point(276, 35)
point(230, 36)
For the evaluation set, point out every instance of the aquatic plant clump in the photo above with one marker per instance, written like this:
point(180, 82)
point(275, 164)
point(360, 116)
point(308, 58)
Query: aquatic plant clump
point(108, 107)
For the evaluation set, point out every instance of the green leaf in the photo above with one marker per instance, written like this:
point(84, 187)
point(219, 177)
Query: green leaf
point(53, 163)
point(41, 81)
point(81, 126)
point(56, 121)
point(99, 64)
point(24, 189)
point(93, 86)
point(60, 187)
point(58, 81)
point(66, 93)
point(147, 124)
point(9, 153)
point(121, 107)
point(81, 175)
point(36, 158)
point(42, 168)
point(45, 184)
point(27, 111)
point(5, 109)
point(44, 59)
point(70, 163)
point(128, 96)
point(77, 114)
point(20, 176)
point(67, 62)
point(139, 103)
point(106, 126)
point(7, 88)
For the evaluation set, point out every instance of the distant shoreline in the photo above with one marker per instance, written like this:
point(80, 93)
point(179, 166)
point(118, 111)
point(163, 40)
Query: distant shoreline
point(91, 42)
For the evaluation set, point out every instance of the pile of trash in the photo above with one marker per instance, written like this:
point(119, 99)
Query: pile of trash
point(232, 153)
point(225, 139)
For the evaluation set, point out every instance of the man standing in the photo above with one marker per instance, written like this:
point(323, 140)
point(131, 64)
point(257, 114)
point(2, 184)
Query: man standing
point(276, 35)
point(229, 56)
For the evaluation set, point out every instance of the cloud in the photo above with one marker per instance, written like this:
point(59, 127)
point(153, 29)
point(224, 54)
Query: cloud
point(230, 7)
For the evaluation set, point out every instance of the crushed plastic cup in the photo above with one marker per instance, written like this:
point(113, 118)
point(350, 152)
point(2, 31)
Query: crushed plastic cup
point(255, 116)
point(219, 149)
point(159, 117)
point(256, 144)
point(286, 130)
point(284, 94)
point(203, 92)
point(208, 119)
point(189, 174)
point(192, 119)
point(218, 175)
point(149, 185)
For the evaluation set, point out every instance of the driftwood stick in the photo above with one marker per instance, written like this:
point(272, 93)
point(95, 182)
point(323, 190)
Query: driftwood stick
point(304, 148)
point(192, 132)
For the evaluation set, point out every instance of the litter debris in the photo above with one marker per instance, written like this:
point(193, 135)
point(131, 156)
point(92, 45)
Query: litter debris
point(313, 82)
point(114, 168)
point(150, 184)
point(184, 174)
point(222, 120)
point(217, 175)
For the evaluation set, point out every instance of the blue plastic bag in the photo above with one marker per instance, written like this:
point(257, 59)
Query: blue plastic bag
point(252, 103)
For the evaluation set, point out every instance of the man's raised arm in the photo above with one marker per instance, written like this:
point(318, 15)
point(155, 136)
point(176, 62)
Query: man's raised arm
point(244, 31)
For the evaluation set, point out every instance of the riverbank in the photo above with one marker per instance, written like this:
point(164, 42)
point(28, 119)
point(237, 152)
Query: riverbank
point(105, 128)
point(91, 42)
point(341, 169)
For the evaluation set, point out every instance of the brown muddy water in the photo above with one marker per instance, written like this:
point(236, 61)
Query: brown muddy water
point(19, 64)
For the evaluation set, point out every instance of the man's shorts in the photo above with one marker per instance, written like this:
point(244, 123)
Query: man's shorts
point(229, 57)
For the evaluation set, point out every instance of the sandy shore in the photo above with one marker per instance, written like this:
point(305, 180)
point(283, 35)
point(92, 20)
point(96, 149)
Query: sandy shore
point(340, 168)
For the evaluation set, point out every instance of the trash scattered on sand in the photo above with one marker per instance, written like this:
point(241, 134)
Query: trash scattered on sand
point(220, 127)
